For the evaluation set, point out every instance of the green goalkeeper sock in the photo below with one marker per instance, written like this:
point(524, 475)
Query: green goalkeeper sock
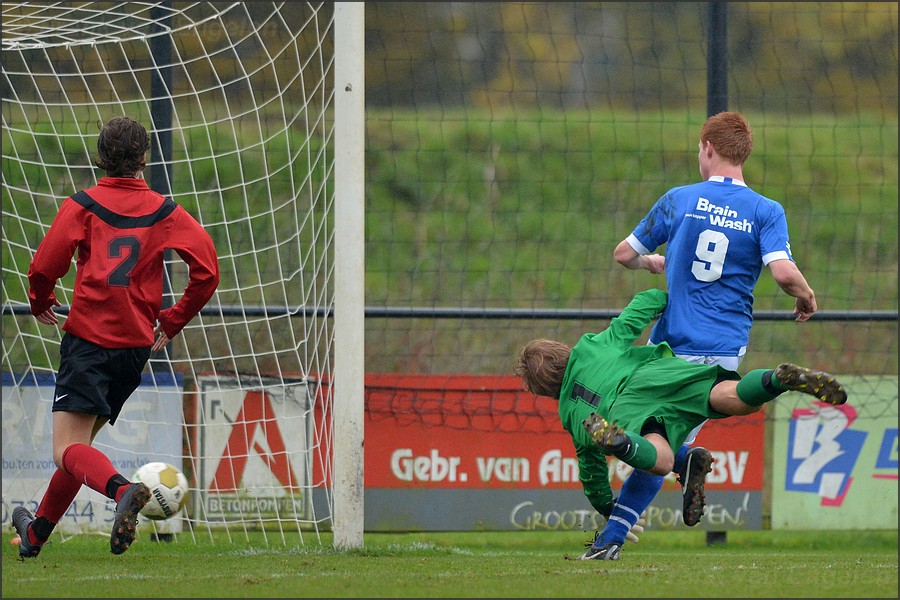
point(639, 453)
point(759, 386)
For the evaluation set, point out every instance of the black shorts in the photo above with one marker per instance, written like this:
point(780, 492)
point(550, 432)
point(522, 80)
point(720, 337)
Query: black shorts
point(96, 380)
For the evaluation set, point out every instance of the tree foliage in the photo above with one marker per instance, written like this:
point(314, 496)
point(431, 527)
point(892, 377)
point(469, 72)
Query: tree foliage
point(639, 55)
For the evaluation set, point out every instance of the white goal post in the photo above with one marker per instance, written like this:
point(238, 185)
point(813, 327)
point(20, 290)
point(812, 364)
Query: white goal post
point(349, 304)
point(256, 115)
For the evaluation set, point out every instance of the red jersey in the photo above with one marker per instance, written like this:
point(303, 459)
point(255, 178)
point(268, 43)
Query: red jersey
point(121, 229)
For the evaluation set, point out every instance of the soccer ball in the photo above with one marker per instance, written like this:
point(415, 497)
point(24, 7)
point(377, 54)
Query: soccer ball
point(168, 490)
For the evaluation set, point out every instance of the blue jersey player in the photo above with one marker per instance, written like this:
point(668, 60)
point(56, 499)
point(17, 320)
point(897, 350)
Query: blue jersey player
point(719, 234)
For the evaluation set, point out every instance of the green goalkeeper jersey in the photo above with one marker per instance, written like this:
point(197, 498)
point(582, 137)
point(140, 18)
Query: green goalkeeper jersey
point(629, 384)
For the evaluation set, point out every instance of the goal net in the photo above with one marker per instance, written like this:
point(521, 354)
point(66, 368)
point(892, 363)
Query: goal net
point(239, 100)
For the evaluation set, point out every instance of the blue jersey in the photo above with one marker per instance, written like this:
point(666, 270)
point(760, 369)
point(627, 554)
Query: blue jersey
point(718, 235)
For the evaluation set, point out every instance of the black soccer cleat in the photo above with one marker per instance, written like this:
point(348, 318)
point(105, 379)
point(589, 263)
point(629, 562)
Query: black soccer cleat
point(21, 519)
point(816, 383)
point(125, 523)
point(692, 477)
point(610, 551)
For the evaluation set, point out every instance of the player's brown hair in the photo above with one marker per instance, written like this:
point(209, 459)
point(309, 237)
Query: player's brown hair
point(122, 147)
point(541, 365)
point(730, 135)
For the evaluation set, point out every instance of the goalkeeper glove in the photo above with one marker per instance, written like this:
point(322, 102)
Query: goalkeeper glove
point(637, 528)
point(631, 536)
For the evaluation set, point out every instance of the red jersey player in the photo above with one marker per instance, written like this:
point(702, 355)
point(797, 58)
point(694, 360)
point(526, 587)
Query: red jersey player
point(120, 230)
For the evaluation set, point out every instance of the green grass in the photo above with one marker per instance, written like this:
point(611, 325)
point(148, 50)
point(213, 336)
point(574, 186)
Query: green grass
point(763, 564)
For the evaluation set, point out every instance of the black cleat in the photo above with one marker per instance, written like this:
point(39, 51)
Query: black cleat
point(610, 551)
point(816, 383)
point(126, 520)
point(21, 519)
point(692, 477)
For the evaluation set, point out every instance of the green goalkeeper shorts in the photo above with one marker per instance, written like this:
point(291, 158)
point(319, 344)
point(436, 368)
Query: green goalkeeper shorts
point(672, 391)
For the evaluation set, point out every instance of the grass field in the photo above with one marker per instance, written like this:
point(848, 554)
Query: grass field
point(752, 564)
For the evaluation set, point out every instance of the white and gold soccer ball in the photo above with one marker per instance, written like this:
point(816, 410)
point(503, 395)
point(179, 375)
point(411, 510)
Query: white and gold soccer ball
point(168, 490)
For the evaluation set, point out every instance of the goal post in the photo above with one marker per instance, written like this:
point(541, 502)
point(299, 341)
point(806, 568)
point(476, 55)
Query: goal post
point(259, 399)
point(349, 302)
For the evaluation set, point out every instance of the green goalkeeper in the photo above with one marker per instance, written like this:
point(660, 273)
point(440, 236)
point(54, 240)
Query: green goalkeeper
point(639, 402)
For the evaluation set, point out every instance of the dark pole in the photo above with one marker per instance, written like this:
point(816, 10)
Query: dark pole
point(160, 176)
point(716, 102)
point(717, 59)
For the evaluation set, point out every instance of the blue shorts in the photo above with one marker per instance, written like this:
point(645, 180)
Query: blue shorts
point(95, 380)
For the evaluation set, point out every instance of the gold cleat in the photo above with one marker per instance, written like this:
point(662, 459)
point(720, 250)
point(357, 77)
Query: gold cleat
point(815, 383)
point(608, 436)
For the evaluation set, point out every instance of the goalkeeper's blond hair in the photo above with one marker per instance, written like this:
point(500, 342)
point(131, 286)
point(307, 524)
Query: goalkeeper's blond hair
point(541, 365)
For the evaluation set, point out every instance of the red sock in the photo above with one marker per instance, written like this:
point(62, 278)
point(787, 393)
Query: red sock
point(33, 538)
point(89, 466)
point(59, 496)
point(119, 491)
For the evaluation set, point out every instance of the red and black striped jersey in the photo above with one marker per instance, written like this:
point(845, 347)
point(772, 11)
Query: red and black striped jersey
point(121, 229)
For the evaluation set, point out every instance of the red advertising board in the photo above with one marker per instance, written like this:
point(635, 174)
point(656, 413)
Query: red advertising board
point(485, 431)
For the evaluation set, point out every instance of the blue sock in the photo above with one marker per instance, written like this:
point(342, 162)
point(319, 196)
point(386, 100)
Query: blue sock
point(638, 491)
point(679, 458)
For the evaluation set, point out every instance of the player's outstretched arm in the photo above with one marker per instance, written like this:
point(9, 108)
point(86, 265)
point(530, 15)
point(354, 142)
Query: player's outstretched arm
point(631, 259)
point(793, 283)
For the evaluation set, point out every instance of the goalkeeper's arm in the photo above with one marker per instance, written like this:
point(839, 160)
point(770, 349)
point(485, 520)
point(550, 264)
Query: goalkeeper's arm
point(606, 511)
point(594, 475)
point(593, 472)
